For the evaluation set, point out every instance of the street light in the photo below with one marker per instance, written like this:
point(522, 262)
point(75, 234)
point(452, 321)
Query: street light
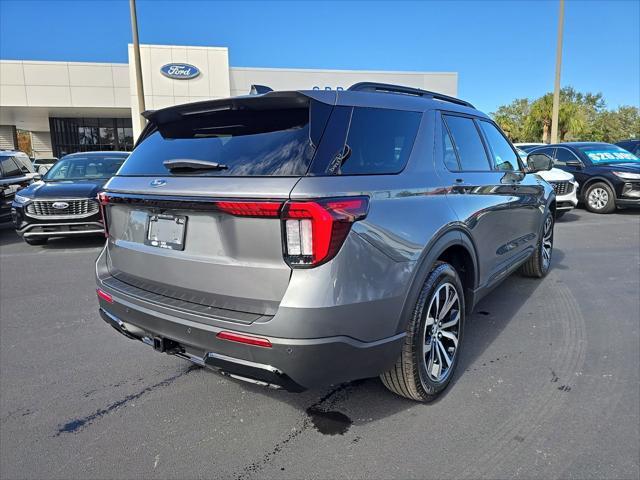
point(138, 63)
point(556, 90)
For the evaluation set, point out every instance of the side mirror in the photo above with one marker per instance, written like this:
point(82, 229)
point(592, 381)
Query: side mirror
point(539, 162)
point(574, 163)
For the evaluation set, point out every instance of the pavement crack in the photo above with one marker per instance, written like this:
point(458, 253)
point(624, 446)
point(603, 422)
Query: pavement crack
point(81, 423)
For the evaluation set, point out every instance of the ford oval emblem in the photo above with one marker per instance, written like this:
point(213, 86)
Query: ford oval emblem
point(158, 182)
point(180, 71)
point(60, 205)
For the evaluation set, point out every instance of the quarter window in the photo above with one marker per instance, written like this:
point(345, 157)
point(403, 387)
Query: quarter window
point(468, 143)
point(504, 158)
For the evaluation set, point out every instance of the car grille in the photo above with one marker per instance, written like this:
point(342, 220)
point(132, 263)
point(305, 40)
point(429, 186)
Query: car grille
point(75, 208)
point(562, 188)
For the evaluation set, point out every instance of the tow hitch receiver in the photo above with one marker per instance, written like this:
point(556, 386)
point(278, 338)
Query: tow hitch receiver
point(165, 345)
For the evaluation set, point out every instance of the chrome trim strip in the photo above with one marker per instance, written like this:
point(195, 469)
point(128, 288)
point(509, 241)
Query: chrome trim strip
point(35, 225)
point(246, 363)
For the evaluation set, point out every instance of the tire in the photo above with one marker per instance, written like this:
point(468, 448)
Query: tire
point(600, 198)
point(410, 377)
point(538, 264)
point(36, 240)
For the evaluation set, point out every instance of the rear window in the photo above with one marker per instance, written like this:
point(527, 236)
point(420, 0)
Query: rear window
point(270, 142)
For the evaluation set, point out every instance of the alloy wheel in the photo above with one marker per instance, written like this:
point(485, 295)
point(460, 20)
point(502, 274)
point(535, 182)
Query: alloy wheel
point(547, 242)
point(441, 332)
point(598, 198)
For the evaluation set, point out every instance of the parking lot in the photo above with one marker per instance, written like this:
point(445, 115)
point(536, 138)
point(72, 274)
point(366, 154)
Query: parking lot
point(548, 384)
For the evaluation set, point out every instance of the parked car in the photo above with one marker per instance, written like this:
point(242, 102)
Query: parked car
point(632, 146)
point(527, 147)
point(42, 165)
point(16, 172)
point(562, 182)
point(308, 238)
point(65, 203)
point(609, 176)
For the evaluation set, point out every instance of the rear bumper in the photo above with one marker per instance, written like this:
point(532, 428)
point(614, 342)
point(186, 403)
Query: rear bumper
point(292, 364)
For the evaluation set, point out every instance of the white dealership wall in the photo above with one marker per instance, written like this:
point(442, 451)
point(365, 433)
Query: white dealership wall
point(33, 91)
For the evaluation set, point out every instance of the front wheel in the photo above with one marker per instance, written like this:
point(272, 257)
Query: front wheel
point(599, 198)
point(538, 264)
point(434, 335)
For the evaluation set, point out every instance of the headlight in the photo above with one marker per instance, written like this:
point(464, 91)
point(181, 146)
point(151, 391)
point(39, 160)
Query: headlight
point(627, 175)
point(20, 199)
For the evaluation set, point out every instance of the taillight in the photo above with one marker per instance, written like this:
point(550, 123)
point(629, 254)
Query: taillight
point(103, 200)
point(251, 209)
point(315, 230)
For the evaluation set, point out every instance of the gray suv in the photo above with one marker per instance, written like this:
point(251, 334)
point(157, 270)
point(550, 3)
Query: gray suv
point(307, 238)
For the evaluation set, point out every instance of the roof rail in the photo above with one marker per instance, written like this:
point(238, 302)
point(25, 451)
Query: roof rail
point(385, 87)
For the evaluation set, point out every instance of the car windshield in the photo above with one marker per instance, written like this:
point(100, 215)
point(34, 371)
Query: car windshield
point(85, 168)
point(603, 154)
point(522, 154)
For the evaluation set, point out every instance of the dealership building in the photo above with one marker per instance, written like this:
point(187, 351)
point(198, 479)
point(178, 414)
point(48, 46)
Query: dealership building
point(66, 107)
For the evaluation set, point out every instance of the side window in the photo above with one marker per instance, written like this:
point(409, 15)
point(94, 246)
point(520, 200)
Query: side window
point(468, 144)
point(563, 156)
point(24, 163)
point(504, 158)
point(449, 154)
point(9, 167)
point(380, 140)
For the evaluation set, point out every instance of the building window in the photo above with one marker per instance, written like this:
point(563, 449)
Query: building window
point(70, 135)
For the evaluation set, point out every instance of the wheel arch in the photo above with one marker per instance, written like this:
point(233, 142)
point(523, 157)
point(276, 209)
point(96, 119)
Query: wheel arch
point(591, 181)
point(455, 247)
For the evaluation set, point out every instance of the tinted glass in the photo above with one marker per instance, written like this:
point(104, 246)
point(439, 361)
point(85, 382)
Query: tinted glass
point(562, 156)
point(504, 158)
point(85, 168)
point(604, 154)
point(9, 167)
point(468, 144)
point(380, 140)
point(450, 157)
point(273, 142)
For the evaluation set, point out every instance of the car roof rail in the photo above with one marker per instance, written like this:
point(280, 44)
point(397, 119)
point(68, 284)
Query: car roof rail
point(388, 88)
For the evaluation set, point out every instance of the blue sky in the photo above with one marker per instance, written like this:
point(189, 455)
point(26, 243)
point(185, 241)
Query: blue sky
point(502, 50)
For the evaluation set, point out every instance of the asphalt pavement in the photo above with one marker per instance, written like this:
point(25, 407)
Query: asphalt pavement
point(548, 385)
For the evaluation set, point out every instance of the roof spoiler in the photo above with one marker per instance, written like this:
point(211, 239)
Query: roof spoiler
point(259, 89)
point(388, 88)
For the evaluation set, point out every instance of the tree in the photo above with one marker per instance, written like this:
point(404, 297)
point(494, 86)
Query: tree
point(512, 117)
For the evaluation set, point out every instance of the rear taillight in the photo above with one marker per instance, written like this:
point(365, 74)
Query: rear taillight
point(103, 200)
point(247, 339)
point(315, 230)
point(251, 209)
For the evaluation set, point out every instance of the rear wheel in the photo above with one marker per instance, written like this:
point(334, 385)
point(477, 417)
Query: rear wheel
point(600, 198)
point(36, 240)
point(539, 263)
point(434, 335)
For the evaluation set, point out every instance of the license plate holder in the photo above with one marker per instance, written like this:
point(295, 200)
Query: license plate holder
point(166, 231)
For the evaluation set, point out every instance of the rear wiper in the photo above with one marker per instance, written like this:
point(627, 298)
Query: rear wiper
point(186, 164)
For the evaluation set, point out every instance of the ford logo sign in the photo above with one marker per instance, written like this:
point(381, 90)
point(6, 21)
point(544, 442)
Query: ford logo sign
point(60, 205)
point(180, 71)
point(158, 182)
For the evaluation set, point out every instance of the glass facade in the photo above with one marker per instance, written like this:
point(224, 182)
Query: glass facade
point(70, 135)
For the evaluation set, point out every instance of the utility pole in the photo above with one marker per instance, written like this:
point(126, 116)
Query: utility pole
point(556, 90)
point(138, 63)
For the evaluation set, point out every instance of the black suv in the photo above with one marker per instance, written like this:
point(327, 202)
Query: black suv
point(16, 172)
point(65, 203)
point(608, 175)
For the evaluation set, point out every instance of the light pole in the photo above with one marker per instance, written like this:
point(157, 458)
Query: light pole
point(138, 63)
point(556, 90)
